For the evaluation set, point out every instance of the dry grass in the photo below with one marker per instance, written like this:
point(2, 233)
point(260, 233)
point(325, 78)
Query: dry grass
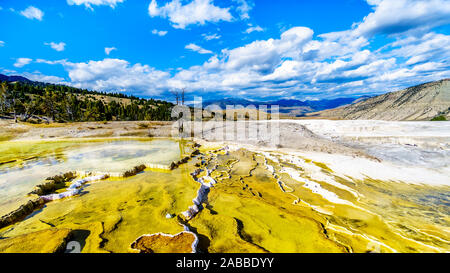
point(11, 133)
point(143, 125)
point(135, 133)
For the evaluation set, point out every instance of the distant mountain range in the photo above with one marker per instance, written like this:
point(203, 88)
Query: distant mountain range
point(5, 78)
point(289, 107)
point(422, 102)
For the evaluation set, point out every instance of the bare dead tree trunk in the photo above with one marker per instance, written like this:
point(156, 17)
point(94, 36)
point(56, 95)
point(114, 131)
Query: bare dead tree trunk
point(183, 91)
point(177, 96)
point(3, 95)
point(14, 106)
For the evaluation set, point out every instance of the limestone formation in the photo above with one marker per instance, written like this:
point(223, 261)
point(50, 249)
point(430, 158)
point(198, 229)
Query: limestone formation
point(52, 184)
point(421, 102)
point(134, 171)
point(21, 212)
point(185, 159)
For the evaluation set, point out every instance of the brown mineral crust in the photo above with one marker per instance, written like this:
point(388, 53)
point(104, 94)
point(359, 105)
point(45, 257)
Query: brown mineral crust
point(161, 243)
point(22, 212)
point(184, 160)
point(134, 171)
point(52, 184)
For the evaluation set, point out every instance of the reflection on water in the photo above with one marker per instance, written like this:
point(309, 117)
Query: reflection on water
point(19, 178)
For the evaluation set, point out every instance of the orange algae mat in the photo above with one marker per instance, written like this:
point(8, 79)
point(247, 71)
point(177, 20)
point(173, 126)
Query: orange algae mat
point(182, 242)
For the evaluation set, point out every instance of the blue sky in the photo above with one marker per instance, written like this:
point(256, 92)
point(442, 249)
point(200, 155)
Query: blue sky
point(254, 49)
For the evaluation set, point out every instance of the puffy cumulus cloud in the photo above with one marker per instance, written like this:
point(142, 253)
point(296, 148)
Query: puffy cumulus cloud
point(334, 44)
point(342, 73)
point(89, 3)
point(358, 63)
point(334, 64)
point(192, 13)
point(295, 64)
point(56, 46)
point(38, 76)
point(264, 55)
point(33, 13)
point(114, 75)
point(198, 49)
point(397, 16)
point(247, 68)
point(419, 49)
point(159, 32)
point(2, 43)
point(289, 70)
point(21, 62)
point(108, 50)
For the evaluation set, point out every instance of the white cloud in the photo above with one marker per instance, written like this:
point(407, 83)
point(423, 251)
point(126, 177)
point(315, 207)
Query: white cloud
point(159, 32)
point(116, 75)
point(198, 49)
point(397, 16)
point(253, 28)
point(38, 76)
point(57, 46)
point(113, 75)
point(245, 6)
point(21, 62)
point(360, 65)
point(109, 49)
point(264, 55)
point(89, 3)
point(429, 48)
point(2, 43)
point(7, 71)
point(62, 62)
point(429, 67)
point(33, 13)
point(334, 44)
point(193, 13)
point(209, 37)
point(296, 64)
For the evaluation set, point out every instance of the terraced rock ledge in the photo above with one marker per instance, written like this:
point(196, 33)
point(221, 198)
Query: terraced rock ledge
point(22, 212)
point(47, 191)
point(240, 198)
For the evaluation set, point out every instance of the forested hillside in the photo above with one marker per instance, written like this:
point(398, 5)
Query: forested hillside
point(31, 102)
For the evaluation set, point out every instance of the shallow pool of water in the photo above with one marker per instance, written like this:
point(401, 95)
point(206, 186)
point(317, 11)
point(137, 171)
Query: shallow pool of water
point(111, 156)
